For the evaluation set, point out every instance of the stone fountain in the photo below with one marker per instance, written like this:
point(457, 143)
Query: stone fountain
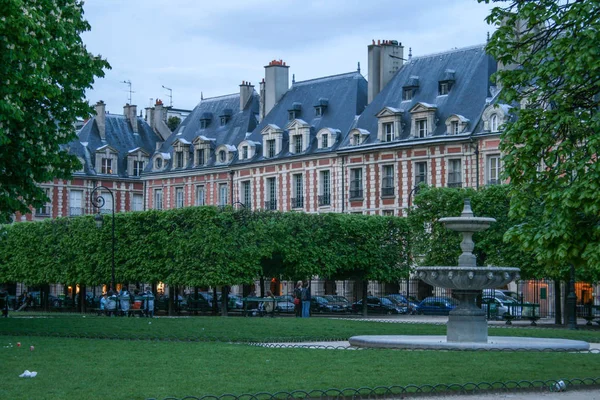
point(467, 325)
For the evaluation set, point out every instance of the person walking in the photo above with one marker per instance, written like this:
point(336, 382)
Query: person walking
point(148, 303)
point(306, 299)
point(298, 299)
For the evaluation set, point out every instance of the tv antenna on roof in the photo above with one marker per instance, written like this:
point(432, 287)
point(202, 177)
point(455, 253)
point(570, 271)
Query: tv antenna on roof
point(128, 82)
point(170, 95)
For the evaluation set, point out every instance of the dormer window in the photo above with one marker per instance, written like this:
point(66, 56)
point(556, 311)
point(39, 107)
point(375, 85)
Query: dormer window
point(137, 159)
point(205, 119)
point(179, 159)
point(446, 82)
point(272, 137)
point(388, 131)
point(245, 152)
point(357, 136)
point(271, 148)
point(325, 141)
point(389, 124)
point(454, 128)
point(326, 137)
point(494, 116)
point(158, 163)
point(407, 93)
point(423, 120)
point(494, 123)
point(200, 157)
point(421, 128)
point(320, 106)
point(297, 144)
point(106, 165)
point(356, 139)
point(106, 160)
point(456, 124)
point(294, 112)
point(226, 116)
point(222, 156)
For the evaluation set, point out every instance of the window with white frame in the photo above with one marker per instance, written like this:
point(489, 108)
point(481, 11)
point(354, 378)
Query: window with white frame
point(46, 209)
point(421, 128)
point(407, 94)
point(75, 202)
point(455, 173)
point(388, 131)
point(324, 141)
point(356, 139)
point(158, 163)
point(356, 184)
point(494, 123)
point(247, 194)
point(420, 172)
point(138, 167)
point(106, 165)
point(271, 148)
point(137, 202)
point(200, 157)
point(388, 213)
point(179, 159)
point(298, 199)
point(271, 203)
point(222, 194)
point(158, 199)
point(222, 156)
point(454, 127)
point(494, 169)
point(244, 152)
point(297, 144)
point(200, 195)
point(179, 197)
point(107, 207)
point(444, 88)
point(324, 188)
point(387, 181)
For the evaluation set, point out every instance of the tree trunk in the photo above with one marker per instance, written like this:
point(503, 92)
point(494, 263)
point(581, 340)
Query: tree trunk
point(224, 300)
point(171, 299)
point(364, 297)
point(262, 286)
point(196, 300)
point(557, 303)
point(215, 304)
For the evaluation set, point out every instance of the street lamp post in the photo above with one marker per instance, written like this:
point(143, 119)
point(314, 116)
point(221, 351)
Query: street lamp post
point(572, 301)
point(98, 202)
point(414, 190)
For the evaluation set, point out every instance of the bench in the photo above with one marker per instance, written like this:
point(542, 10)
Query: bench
point(589, 312)
point(259, 310)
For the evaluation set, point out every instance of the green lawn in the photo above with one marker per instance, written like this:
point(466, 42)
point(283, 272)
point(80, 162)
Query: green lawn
point(140, 369)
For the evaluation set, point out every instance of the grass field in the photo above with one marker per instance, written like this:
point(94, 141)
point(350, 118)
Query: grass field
point(126, 368)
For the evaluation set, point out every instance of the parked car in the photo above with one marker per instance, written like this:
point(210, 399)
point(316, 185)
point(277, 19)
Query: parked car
point(503, 306)
point(286, 297)
point(402, 301)
point(381, 305)
point(437, 305)
point(319, 304)
point(284, 306)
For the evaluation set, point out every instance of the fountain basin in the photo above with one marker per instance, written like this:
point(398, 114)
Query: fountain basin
point(431, 342)
point(468, 278)
point(467, 224)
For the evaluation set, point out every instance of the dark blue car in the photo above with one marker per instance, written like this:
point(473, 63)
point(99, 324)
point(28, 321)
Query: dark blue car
point(437, 306)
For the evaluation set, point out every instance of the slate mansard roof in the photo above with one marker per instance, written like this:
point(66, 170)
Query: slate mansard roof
point(239, 123)
point(470, 68)
point(118, 135)
point(342, 97)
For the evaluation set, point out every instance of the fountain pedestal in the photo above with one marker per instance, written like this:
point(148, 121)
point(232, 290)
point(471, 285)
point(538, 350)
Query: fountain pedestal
point(467, 322)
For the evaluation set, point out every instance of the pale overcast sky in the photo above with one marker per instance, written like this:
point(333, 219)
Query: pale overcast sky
point(211, 46)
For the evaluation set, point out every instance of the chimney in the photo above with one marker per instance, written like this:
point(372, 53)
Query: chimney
point(385, 59)
point(246, 90)
point(276, 83)
point(101, 119)
point(159, 117)
point(130, 111)
point(261, 93)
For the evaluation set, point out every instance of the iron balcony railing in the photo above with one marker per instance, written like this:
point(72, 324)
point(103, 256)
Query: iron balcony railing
point(298, 202)
point(271, 205)
point(325, 199)
point(356, 194)
point(75, 211)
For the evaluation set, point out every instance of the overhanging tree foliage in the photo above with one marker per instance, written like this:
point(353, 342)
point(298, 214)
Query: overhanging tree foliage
point(45, 72)
point(551, 148)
